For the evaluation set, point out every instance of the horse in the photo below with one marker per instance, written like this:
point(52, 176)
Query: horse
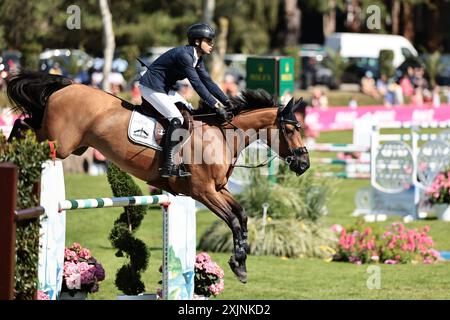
point(77, 116)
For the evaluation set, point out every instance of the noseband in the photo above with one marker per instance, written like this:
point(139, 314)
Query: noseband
point(295, 152)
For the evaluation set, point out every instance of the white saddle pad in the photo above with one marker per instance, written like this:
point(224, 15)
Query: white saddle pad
point(141, 130)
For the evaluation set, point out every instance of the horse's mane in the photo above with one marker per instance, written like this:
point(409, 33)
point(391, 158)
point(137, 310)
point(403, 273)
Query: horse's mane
point(251, 99)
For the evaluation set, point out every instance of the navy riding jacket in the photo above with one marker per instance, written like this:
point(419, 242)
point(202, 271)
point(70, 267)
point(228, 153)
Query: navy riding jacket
point(177, 64)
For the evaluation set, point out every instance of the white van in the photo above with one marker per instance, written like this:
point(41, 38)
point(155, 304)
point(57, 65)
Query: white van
point(368, 45)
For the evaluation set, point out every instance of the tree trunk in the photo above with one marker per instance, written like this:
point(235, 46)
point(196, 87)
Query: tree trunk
point(408, 18)
point(209, 6)
point(218, 64)
point(434, 33)
point(353, 22)
point(329, 19)
point(292, 18)
point(109, 43)
point(395, 16)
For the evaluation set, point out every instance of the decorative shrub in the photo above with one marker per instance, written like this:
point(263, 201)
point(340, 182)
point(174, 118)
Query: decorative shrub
point(128, 277)
point(28, 155)
point(290, 238)
point(291, 228)
point(395, 245)
point(296, 197)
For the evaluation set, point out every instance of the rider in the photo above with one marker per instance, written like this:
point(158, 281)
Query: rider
point(176, 64)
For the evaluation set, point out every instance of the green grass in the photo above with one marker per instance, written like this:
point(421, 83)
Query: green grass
point(269, 277)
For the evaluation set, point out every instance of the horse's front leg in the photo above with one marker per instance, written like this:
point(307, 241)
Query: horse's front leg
point(218, 204)
point(239, 212)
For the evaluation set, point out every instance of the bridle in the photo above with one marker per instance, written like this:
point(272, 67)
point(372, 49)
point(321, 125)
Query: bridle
point(295, 152)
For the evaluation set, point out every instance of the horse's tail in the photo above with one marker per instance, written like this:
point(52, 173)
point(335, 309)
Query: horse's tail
point(29, 92)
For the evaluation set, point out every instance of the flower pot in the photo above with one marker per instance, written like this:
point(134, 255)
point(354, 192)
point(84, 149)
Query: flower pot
point(145, 296)
point(443, 211)
point(78, 295)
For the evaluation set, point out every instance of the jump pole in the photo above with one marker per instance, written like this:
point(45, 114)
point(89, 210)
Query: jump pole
point(179, 234)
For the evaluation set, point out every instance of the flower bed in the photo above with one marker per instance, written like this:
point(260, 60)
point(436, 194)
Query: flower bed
point(395, 245)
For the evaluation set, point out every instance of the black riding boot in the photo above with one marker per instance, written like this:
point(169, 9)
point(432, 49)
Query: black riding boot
point(169, 169)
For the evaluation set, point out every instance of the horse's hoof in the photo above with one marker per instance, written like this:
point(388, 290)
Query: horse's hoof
point(239, 270)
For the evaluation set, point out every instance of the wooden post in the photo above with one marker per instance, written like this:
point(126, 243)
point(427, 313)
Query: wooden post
point(8, 195)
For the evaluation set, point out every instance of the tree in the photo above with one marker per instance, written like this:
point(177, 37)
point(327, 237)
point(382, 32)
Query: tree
point(109, 44)
point(292, 16)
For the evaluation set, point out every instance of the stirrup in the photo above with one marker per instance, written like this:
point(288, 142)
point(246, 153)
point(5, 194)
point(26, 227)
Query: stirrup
point(174, 171)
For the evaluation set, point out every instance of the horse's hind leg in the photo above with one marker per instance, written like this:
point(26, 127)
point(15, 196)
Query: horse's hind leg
point(217, 203)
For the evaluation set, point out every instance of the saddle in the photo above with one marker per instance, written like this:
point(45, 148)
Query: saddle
point(147, 125)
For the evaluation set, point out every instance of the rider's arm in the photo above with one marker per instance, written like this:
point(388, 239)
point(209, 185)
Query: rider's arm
point(186, 62)
point(210, 85)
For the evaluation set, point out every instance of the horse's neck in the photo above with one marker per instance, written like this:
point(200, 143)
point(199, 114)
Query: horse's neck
point(253, 123)
point(256, 119)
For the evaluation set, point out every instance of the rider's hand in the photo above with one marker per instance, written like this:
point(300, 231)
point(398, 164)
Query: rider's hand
point(222, 112)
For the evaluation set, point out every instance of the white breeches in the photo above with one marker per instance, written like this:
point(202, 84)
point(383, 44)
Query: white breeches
point(164, 103)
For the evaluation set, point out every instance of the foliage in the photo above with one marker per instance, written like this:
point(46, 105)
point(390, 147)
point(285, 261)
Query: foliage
point(302, 197)
point(361, 244)
point(82, 272)
point(433, 66)
point(28, 155)
point(439, 191)
point(337, 64)
point(289, 237)
point(386, 63)
point(128, 277)
point(208, 276)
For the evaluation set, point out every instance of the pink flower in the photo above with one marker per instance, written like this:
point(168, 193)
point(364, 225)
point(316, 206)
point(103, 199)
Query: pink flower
point(76, 246)
point(390, 261)
point(41, 295)
point(70, 255)
point(85, 253)
point(203, 257)
point(336, 228)
point(73, 281)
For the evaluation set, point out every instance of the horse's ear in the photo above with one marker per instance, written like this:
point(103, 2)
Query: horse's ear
point(286, 109)
point(300, 103)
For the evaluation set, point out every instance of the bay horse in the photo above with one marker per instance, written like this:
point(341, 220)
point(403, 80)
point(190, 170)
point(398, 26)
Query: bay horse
point(78, 116)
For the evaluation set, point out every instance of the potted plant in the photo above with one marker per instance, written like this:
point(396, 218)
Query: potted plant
point(439, 194)
point(82, 273)
point(208, 277)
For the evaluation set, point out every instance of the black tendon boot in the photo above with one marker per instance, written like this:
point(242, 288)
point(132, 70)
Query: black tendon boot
point(169, 169)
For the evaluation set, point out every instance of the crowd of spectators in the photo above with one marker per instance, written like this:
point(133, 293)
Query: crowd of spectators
point(411, 88)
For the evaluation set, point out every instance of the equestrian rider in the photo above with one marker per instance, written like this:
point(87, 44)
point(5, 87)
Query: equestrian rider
point(176, 64)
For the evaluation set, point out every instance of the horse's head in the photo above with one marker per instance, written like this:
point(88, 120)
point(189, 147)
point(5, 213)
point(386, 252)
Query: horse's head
point(291, 147)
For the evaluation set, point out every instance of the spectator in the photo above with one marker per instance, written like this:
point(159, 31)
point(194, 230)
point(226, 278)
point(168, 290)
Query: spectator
point(99, 164)
point(406, 86)
point(417, 98)
point(310, 72)
point(436, 97)
point(184, 88)
point(368, 85)
point(229, 86)
point(116, 81)
point(319, 99)
point(353, 103)
point(136, 93)
point(56, 69)
point(384, 90)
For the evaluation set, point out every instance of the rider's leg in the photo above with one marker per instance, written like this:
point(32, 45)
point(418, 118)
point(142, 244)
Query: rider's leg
point(164, 104)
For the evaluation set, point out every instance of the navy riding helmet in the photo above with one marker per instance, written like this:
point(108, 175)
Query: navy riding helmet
point(200, 30)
